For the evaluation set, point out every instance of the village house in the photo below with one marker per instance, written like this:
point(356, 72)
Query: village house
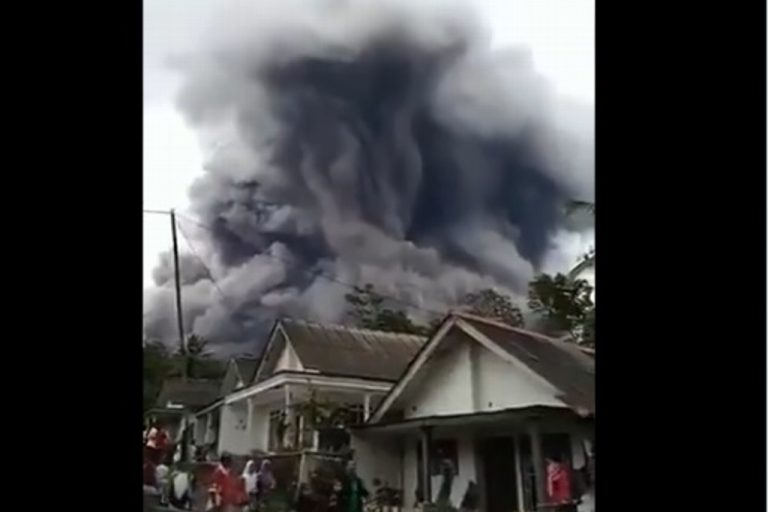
point(179, 401)
point(311, 382)
point(477, 411)
point(207, 421)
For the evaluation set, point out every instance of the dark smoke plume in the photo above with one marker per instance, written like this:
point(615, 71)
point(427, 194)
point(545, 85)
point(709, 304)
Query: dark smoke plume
point(367, 142)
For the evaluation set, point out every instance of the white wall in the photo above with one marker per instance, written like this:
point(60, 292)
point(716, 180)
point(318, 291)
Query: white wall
point(288, 360)
point(233, 436)
point(201, 422)
point(445, 386)
point(499, 384)
point(377, 459)
point(469, 378)
point(260, 427)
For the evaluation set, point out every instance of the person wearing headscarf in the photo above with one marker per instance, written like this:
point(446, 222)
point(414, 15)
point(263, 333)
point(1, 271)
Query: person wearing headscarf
point(180, 490)
point(265, 481)
point(162, 479)
point(250, 479)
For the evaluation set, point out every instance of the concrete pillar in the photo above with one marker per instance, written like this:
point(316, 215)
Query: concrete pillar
point(539, 469)
point(290, 427)
point(426, 444)
point(519, 475)
point(249, 417)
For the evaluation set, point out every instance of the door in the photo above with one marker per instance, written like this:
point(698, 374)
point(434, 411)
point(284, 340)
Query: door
point(498, 456)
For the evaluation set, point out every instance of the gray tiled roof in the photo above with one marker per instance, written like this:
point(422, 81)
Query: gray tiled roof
point(561, 363)
point(190, 393)
point(349, 351)
point(246, 366)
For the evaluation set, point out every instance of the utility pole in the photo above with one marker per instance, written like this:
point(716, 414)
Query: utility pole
point(177, 282)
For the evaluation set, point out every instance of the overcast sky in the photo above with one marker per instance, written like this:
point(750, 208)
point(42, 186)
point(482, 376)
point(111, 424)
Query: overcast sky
point(559, 33)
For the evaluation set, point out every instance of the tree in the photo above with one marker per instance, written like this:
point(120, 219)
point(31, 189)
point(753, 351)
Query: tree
point(197, 360)
point(157, 363)
point(490, 303)
point(565, 305)
point(369, 312)
point(161, 364)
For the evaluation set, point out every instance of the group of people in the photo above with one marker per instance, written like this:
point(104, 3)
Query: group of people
point(171, 486)
point(229, 492)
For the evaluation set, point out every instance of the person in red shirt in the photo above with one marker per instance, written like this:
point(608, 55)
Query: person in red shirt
point(225, 490)
point(157, 442)
point(558, 482)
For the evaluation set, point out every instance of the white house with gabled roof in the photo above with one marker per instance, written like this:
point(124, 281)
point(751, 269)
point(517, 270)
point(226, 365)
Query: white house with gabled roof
point(302, 362)
point(488, 401)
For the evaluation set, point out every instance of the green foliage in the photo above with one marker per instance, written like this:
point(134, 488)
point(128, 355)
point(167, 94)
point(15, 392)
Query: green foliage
point(565, 304)
point(369, 312)
point(318, 413)
point(198, 361)
point(491, 304)
point(161, 364)
point(157, 366)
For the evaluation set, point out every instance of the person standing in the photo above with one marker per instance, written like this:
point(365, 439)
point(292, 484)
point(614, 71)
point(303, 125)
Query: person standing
point(163, 479)
point(157, 442)
point(224, 495)
point(353, 491)
point(250, 480)
point(265, 481)
point(559, 483)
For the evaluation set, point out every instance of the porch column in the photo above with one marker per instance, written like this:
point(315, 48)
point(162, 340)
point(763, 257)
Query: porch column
point(426, 443)
point(519, 475)
point(315, 439)
point(249, 417)
point(366, 406)
point(287, 440)
point(539, 470)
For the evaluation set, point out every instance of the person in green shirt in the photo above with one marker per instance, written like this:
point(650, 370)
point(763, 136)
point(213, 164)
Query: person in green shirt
point(353, 491)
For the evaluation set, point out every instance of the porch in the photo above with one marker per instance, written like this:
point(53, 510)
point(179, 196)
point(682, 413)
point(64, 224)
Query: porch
point(292, 412)
point(493, 462)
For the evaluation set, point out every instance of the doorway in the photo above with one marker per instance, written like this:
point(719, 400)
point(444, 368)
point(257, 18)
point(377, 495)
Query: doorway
point(498, 456)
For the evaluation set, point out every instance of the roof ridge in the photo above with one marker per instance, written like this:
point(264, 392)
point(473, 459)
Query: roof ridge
point(350, 328)
point(245, 358)
point(499, 323)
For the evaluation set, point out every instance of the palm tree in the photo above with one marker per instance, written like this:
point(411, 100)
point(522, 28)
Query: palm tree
point(588, 260)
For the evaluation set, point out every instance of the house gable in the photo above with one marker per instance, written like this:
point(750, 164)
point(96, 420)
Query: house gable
point(272, 352)
point(288, 360)
point(444, 386)
point(461, 371)
point(464, 377)
point(231, 378)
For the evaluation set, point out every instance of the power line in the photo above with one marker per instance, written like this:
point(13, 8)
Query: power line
point(157, 212)
point(332, 279)
point(207, 270)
